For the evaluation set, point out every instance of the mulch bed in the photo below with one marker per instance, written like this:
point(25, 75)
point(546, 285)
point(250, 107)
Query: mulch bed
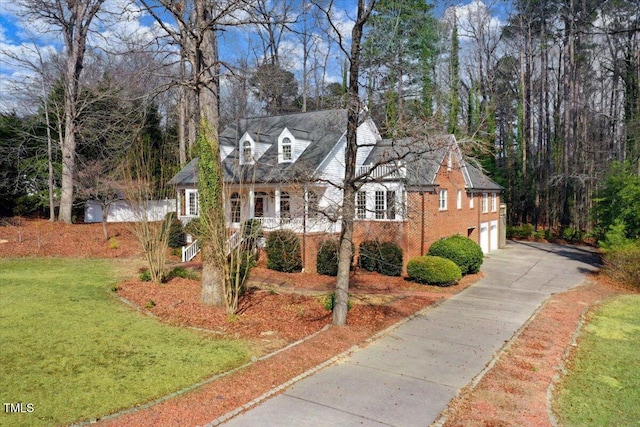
point(281, 309)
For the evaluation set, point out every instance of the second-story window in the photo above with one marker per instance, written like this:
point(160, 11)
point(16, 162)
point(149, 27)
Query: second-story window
point(485, 202)
point(443, 200)
point(459, 200)
point(287, 150)
point(494, 202)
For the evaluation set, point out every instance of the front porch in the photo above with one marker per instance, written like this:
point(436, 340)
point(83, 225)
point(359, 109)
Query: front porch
point(299, 209)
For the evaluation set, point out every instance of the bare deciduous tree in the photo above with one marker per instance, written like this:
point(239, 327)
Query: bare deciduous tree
point(73, 20)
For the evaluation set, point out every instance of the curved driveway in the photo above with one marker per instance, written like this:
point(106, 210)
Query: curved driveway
point(408, 376)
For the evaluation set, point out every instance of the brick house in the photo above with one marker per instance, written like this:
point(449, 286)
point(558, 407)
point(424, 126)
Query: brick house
point(286, 172)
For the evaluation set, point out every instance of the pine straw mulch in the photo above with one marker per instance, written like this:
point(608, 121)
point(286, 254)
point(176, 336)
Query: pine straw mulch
point(282, 309)
point(518, 389)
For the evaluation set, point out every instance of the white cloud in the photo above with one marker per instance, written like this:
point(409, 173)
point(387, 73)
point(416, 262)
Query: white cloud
point(472, 18)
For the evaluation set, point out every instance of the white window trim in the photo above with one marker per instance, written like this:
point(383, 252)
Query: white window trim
point(286, 134)
point(471, 200)
point(358, 206)
point(485, 202)
point(494, 202)
point(188, 194)
point(442, 200)
point(459, 200)
point(243, 159)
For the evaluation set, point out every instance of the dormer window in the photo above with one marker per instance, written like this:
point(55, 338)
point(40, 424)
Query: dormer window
point(247, 152)
point(290, 146)
point(287, 150)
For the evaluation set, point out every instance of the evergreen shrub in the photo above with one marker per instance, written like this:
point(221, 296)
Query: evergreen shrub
point(433, 270)
point(466, 253)
point(622, 262)
point(523, 231)
point(327, 259)
point(383, 257)
point(176, 230)
point(283, 251)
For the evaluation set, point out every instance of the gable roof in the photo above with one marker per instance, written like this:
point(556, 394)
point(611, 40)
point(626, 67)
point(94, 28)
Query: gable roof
point(423, 159)
point(188, 175)
point(479, 181)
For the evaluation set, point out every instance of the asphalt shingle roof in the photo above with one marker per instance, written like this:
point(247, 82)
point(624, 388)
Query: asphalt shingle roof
point(323, 130)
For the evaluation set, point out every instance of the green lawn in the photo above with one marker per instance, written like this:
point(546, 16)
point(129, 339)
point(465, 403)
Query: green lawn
point(603, 386)
point(74, 352)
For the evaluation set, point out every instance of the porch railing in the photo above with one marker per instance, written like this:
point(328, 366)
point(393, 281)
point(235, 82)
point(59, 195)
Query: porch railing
point(389, 171)
point(189, 252)
point(272, 223)
point(233, 241)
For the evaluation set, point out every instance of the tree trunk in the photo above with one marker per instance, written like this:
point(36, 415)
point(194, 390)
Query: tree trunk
point(210, 180)
point(348, 204)
point(75, 28)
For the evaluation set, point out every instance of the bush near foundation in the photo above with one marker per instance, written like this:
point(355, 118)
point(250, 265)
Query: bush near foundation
point(283, 251)
point(433, 270)
point(328, 257)
point(466, 253)
point(327, 260)
point(383, 257)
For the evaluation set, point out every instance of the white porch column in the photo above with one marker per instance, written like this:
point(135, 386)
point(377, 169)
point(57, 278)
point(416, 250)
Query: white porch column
point(276, 208)
point(252, 202)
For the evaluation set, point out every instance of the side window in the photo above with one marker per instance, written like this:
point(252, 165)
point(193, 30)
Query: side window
point(443, 200)
point(361, 205)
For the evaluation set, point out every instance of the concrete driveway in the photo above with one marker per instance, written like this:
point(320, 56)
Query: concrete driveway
point(408, 376)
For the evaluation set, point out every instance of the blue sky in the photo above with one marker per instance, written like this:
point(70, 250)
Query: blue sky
point(14, 39)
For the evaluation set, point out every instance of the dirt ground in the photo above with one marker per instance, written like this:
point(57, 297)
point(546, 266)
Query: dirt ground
point(283, 318)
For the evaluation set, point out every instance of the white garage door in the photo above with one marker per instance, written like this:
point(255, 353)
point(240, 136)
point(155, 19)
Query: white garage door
point(493, 235)
point(484, 237)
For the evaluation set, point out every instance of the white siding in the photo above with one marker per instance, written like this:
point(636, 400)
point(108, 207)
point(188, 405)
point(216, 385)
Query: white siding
point(225, 150)
point(368, 136)
point(259, 149)
point(121, 211)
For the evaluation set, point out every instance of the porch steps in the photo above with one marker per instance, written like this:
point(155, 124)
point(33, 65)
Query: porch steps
point(189, 252)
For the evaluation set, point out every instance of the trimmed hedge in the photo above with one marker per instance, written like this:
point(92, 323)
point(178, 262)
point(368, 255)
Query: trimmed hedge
point(433, 270)
point(383, 257)
point(283, 251)
point(466, 253)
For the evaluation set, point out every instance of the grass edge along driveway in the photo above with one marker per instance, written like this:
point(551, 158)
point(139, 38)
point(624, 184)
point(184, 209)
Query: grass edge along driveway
point(602, 387)
point(70, 351)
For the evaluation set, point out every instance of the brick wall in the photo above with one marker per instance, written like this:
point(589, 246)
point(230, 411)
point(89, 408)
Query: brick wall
point(424, 222)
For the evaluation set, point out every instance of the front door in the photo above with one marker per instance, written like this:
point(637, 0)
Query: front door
point(258, 209)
